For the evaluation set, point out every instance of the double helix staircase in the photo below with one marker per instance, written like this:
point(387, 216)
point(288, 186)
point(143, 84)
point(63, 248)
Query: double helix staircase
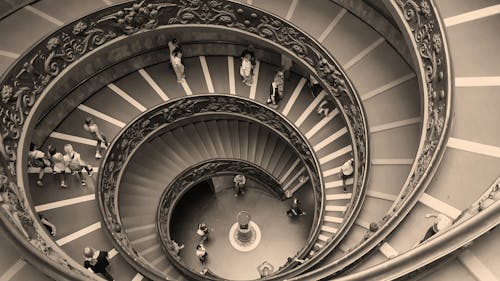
point(386, 83)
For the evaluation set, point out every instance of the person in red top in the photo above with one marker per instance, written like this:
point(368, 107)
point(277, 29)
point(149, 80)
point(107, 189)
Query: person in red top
point(97, 261)
point(96, 134)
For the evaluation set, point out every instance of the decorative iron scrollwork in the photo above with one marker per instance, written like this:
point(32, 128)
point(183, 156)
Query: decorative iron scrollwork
point(151, 122)
point(140, 16)
point(34, 72)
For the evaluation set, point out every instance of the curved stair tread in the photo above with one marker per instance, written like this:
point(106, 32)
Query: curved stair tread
point(139, 88)
point(163, 75)
point(436, 183)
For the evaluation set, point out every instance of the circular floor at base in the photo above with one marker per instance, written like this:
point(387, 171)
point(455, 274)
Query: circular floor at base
point(281, 236)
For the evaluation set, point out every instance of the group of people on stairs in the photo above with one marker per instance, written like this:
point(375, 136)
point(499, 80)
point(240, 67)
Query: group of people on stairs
point(70, 163)
point(248, 63)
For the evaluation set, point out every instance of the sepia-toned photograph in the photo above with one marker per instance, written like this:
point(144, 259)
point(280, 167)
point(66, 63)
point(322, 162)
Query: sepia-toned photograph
point(274, 140)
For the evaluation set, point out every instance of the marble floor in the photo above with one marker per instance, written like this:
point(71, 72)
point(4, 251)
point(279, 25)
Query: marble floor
point(282, 236)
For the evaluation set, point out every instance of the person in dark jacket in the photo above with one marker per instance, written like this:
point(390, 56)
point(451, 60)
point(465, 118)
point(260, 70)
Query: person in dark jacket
point(97, 261)
point(296, 208)
point(274, 96)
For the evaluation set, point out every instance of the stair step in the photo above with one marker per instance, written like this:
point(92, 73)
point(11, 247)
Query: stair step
point(178, 144)
point(275, 157)
point(171, 152)
point(144, 239)
point(331, 172)
point(193, 133)
point(335, 154)
point(193, 148)
point(333, 219)
point(323, 237)
point(261, 145)
point(332, 208)
point(149, 250)
point(339, 196)
point(298, 185)
point(244, 128)
point(294, 177)
point(234, 133)
point(289, 171)
point(252, 142)
point(223, 129)
point(201, 128)
point(284, 162)
point(328, 229)
point(338, 183)
point(213, 130)
point(270, 147)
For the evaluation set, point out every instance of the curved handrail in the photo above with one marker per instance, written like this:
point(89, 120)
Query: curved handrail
point(465, 229)
point(36, 70)
point(192, 176)
point(425, 35)
point(164, 116)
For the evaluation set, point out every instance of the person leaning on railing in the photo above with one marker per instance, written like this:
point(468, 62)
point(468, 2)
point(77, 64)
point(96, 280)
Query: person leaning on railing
point(76, 164)
point(442, 222)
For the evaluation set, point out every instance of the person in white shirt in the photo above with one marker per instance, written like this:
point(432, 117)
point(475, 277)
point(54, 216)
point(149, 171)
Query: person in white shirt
point(201, 253)
point(346, 171)
point(246, 69)
point(96, 134)
point(176, 61)
point(76, 164)
point(59, 167)
point(239, 184)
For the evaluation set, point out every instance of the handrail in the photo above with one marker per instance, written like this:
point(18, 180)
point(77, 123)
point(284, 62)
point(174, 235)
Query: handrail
point(36, 70)
point(165, 116)
point(192, 176)
point(425, 35)
point(465, 229)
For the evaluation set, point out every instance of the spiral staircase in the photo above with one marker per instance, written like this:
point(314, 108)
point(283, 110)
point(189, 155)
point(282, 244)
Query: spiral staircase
point(371, 41)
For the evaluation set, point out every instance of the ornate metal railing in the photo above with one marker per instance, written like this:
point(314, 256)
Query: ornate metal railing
point(473, 222)
point(164, 117)
point(424, 32)
point(193, 176)
point(29, 80)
